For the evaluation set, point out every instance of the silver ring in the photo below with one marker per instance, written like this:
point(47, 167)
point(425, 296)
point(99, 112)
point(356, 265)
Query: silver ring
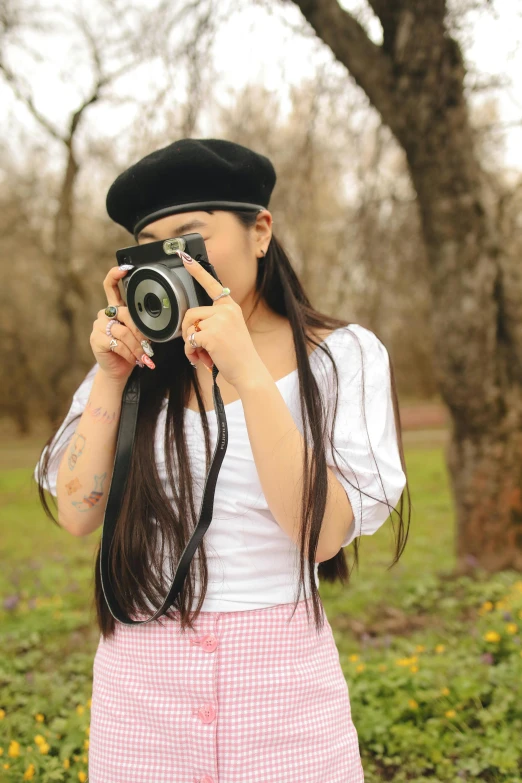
point(113, 343)
point(111, 311)
point(225, 292)
point(109, 324)
point(192, 341)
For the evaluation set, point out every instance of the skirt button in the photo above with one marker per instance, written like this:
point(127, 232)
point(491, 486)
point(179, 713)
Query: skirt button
point(209, 643)
point(207, 713)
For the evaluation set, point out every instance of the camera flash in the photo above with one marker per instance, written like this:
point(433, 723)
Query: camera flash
point(171, 246)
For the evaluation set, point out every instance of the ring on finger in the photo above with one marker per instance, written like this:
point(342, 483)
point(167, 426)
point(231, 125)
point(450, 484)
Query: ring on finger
point(113, 344)
point(192, 340)
point(111, 311)
point(109, 325)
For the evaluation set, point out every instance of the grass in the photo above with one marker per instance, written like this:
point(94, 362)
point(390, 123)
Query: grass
point(432, 659)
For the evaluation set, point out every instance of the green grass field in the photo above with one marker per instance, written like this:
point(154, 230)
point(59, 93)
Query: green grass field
point(432, 660)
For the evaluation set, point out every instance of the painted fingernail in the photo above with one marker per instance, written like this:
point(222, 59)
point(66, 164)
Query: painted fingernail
point(140, 364)
point(147, 347)
point(126, 266)
point(186, 258)
point(145, 359)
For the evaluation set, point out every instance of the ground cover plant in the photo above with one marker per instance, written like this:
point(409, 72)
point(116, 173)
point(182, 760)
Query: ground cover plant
point(432, 659)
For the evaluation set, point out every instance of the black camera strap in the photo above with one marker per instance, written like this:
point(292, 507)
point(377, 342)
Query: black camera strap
point(122, 459)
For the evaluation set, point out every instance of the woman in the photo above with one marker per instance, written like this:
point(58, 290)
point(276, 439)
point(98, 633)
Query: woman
point(247, 687)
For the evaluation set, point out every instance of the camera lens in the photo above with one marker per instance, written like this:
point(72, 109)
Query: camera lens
point(152, 304)
point(157, 301)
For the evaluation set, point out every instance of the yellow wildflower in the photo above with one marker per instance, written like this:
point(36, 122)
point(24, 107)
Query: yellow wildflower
point(445, 691)
point(420, 648)
point(500, 604)
point(414, 669)
point(406, 661)
point(89, 702)
point(44, 747)
point(86, 744)
point(487, 606)
point(360, 667)
point(6, 766)
point(75, 757)
point(80, 709)
point(353, 657)
point(39, 717)
point(412, 704)
point(511, 627)
point(440, 648)
point(2, 714)
point(14, 749)
point(39, 739)
point(492, 636)
point(29, 772)
point(450, 713)
point(84, 759)
point(82, 777)
point(66, 763)
point(1, 751)
point(382, 667)
point(88, 730)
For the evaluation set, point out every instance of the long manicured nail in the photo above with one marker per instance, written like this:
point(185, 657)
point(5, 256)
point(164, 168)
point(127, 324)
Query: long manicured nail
point(126, 266)
point(147, 347)
point(145, 359)
point(185, 256)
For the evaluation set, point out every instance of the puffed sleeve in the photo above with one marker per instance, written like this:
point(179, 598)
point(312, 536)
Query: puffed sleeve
point(65, 432)
point(363, 420)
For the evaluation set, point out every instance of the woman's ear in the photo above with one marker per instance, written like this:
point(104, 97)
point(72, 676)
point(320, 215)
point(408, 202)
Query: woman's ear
point(263, 231)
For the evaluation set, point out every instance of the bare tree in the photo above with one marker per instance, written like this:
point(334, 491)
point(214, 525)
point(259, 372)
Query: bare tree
point(415, 80)
point(113, 43)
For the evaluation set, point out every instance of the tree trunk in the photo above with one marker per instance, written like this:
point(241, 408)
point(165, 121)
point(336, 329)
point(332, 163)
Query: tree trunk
point(70, 292)
point(415, 81)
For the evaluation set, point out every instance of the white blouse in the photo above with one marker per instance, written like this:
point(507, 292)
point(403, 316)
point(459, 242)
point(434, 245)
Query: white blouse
point(252, 562)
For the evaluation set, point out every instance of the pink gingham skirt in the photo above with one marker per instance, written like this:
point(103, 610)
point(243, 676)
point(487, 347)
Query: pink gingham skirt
point(251, 696)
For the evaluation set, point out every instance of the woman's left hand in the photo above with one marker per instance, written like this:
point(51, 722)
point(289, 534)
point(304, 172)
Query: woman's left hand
point(224, 338)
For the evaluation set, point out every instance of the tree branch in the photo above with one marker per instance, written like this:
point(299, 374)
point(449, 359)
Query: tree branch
point(367, 63)
point(28, 102)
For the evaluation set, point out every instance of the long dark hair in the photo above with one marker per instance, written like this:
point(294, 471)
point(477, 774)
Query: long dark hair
point(147, 512)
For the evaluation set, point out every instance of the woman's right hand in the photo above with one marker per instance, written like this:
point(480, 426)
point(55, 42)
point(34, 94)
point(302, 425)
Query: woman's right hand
point(119, 363)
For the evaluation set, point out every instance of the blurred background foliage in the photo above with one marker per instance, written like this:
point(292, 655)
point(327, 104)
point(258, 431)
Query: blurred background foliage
point(431, 649)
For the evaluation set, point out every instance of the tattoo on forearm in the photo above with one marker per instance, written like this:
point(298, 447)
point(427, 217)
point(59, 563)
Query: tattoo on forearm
point(77, 447)
point(99, 414)
point(94, 498)
point(73, 486)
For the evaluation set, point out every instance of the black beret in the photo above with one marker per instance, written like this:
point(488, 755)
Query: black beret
point(190, 175)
